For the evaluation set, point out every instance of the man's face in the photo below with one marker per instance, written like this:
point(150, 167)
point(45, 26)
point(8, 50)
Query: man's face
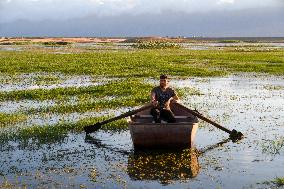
point(164, 83)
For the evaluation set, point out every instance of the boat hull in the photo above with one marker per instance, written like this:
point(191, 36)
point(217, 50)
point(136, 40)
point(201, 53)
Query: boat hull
point(148, 135)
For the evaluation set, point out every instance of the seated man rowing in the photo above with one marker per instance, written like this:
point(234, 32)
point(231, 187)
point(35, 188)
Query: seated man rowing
point(161, 97)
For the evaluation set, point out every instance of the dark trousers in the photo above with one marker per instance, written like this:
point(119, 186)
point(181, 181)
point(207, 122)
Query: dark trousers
point(163, 114)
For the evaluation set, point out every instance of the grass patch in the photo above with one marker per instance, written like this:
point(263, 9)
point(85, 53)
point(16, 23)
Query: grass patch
point(279, 181)
point(50, 134)
point(118, 88)
point(188, 91)
point(273, 147)
point(273, 87)
point(229, 41)
point(144, 63)
point(156, 45)
point(8, 119)
point(56, 43)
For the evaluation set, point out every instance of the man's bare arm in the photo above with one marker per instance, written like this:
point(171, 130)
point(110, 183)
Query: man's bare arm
point(175, 99)
point(153, 99)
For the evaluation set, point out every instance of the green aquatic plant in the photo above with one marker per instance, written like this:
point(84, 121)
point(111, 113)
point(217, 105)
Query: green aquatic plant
point(54, 133)
point(46, 80)
point(189, 91)
point(10, 119)
point(155, 45)
point(56, 43)
point(16, 43)
point(273, 147)
point(279, 181)
point(229, 41)
point(273, 87)
point(144, 63)
point(165, 167)
point(117, 88)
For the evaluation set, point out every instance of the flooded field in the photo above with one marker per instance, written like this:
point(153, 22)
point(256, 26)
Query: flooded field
point(83, 47)
point(250, 103)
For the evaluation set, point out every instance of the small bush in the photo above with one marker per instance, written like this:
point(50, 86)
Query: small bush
point(155, 45)
point(55, 43)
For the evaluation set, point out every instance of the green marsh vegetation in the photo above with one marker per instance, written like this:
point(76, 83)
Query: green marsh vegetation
point(130, 66)
point(273, 147)
point(279, 181)
point(164, 166)
point(230, 41)
point(55, 133)
point(8, 119)
point(145, 62)
point(276, 182)
point(156, 45)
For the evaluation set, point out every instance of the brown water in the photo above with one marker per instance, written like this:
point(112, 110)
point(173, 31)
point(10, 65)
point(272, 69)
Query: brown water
point(251, 104)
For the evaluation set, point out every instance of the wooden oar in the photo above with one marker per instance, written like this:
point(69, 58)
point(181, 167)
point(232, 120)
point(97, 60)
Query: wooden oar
point(234, 135)
point(97, 126)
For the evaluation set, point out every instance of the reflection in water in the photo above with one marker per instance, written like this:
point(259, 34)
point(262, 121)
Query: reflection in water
point(162, 166)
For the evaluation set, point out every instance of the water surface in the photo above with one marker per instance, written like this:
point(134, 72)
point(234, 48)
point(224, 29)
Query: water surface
point(252, 104)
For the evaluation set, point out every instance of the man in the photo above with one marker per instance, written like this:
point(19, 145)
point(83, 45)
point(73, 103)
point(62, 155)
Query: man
point(161, 97)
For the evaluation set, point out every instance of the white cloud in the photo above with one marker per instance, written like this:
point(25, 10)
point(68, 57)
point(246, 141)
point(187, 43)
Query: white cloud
point(225, 1)
point(11, 10)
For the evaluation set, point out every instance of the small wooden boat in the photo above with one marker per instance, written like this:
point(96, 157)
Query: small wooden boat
point(146, 134)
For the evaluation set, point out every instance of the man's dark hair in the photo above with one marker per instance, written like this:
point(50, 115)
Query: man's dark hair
point(163, 76)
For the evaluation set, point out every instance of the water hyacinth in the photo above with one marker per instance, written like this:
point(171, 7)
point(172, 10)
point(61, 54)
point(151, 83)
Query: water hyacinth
point(156, 45)
point(11, 119)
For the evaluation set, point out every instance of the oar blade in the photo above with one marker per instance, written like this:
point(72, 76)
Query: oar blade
point(236, 135)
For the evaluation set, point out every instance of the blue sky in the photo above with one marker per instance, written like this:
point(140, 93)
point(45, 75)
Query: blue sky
point(196, 17)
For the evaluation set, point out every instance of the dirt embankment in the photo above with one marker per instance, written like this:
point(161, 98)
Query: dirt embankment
point(64, 39)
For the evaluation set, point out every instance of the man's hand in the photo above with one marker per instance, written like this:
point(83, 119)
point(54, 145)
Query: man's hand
point(155, 103)
point(175, 101)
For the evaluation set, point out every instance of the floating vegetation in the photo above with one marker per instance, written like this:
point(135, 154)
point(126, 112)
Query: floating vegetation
point(16, 43)
point(56, 43)
point(165, 167)
point(144, 63)
point(279, 181)
point(11, 119)
point(273, 147)
point(230, 41)
point(42, 80)
point(274, 87)
point(156, 45)
point(112, 88)
point(54, 133)
point(189, 91)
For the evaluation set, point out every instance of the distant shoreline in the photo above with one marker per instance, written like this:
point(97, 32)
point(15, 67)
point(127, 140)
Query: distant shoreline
point(134, 39)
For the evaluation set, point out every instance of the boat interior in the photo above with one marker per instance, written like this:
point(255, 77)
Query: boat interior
point(181, 115)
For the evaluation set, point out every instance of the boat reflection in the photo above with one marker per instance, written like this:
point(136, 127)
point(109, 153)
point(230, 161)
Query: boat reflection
point(163, 166)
